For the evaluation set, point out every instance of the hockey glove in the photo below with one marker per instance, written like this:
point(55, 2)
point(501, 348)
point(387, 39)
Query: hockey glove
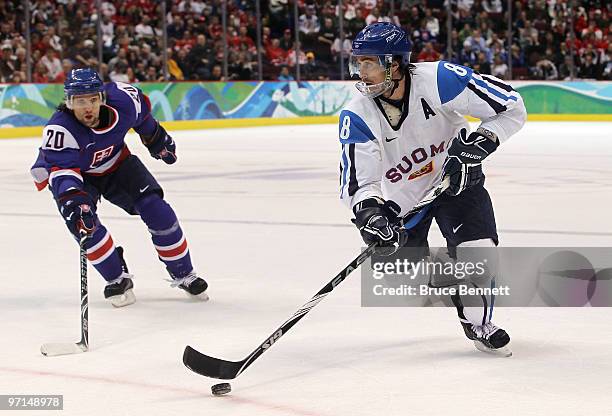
point(76, 208)
point(160, 145)
point(377, 222)
point(463, 164)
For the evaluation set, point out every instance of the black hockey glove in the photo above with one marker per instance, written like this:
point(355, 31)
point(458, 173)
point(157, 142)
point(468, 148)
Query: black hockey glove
point(78, 212)
point(160, 145)
point(377, 222)
point(463, 164)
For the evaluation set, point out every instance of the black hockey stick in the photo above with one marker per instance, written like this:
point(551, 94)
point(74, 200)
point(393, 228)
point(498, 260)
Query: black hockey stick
point(53, 349)
point(228, 370)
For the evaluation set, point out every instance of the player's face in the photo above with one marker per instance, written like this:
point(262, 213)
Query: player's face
point(87, 109)
point(370, 70)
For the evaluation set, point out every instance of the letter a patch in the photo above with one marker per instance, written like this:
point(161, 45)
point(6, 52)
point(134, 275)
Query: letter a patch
point(427, 109)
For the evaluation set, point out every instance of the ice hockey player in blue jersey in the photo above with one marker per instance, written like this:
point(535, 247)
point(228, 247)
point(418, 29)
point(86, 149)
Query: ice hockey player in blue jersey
point(84, 157)
point(403, 134)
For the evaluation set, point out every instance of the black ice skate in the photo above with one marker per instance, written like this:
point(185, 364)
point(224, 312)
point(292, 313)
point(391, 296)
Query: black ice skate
point(488, 338)
point(119, 291)
point(192, 284)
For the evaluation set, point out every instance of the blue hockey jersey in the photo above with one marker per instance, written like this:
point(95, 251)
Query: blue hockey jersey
point(70, 149)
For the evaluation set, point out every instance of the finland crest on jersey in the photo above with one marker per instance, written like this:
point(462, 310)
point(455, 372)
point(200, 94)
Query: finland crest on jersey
point(404, 162)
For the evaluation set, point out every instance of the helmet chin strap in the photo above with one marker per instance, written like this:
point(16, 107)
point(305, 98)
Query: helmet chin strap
point(396, 83)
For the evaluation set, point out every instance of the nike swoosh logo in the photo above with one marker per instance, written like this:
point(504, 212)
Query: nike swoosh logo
point(455, 229)
point(387, 139)
point(144, 189)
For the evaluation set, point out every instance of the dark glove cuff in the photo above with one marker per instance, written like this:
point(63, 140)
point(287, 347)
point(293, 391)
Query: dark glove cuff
point(78, 196)
point(155, 142)
point(488, 145)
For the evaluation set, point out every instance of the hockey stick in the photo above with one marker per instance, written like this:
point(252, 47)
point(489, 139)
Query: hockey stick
point(228, 370)
point(59, 348)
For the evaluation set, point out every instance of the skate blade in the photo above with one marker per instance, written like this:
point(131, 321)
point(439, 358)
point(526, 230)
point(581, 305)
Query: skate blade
point(202, 297)
point(125, 299)
point(500, 352)
point(54, 349)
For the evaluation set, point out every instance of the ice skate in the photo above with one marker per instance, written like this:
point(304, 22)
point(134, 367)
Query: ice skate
point(193, 285)
point(119, 291)
point(488, 338)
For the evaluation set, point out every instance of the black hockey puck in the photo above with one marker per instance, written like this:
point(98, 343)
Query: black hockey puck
point(221, 389)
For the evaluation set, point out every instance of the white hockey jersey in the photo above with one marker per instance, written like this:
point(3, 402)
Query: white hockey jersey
point(403, 163)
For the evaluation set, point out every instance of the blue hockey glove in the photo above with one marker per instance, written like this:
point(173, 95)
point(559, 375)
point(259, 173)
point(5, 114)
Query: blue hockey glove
point(463, 164)
point(78, 212)
point(160, 145)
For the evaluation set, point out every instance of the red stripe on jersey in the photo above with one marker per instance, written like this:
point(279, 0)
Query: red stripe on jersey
point(41, 185)
point(102, 250)
point(147, 101)
point(55, 169)
point(173, 252)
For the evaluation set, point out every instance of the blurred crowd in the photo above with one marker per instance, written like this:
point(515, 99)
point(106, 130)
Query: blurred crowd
point(64, 36)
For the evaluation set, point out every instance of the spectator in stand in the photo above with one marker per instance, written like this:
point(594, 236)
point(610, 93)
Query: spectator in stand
point(325, 40)
point(152, 75)
point(85, 53)
point(431, 23)
point(54, 40)
point(144, 30)
point(309, 27)
point(217, 73)
point(66, 68)
point(108, 31)
point(40, 74)
point(373, 17)
point(607, 64)
point(588, 68)
point(546, 70)
point(241, 67)
point(174, 70)
point(52, 63)
point(21, 65)
point(355, 24)
point(275, 54)
point(428, 54)
point(468, 57)
point(108, 9)
point(310, 69)
point(245, 39)
point(200, 59)
point(7, 63)
point(120, 57)
point(293, 57)
point(103, 72)
point(499, 68)
point(565, 69)
point(181, 61)
point(465, 33)
point(477, 42)
point(482, 65)
point(120, 73)
point(287, 40)
point(284, 74)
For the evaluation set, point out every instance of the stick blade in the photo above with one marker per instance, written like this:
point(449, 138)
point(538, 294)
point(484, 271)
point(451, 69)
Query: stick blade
point(58, 348)
point(210, 366)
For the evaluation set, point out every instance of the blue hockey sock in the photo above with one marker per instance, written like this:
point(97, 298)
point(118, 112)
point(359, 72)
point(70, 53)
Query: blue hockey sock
point(102, 254)
point(166, 234)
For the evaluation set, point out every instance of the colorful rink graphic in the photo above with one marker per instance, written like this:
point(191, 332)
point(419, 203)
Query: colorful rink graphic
point(30, 105)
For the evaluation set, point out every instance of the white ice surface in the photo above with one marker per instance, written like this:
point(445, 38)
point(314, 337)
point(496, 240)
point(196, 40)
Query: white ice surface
point(265, 226)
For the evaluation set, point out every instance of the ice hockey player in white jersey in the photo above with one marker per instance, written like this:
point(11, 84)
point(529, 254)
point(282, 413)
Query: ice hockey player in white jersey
point(404, 133)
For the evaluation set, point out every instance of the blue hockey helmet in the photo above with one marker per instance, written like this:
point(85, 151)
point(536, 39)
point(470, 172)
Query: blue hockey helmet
point(383, 40)
point(82, 81)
